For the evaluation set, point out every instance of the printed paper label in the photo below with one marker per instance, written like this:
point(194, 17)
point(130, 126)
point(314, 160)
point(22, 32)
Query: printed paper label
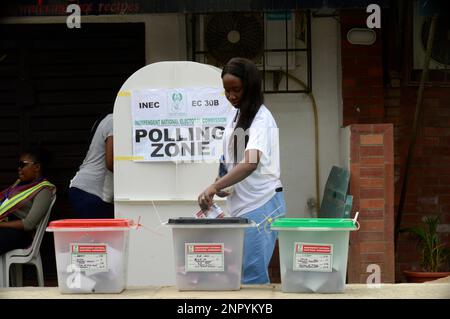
point(313, 257)
point(204, 257)
point(89, 256)
point(182, 124)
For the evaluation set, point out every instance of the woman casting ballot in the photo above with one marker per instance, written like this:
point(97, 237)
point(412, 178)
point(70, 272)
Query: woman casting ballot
point(252, 160)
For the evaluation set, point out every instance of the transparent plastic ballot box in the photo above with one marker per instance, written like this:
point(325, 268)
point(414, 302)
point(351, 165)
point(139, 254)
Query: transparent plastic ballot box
point(313, 253)
point(91, 254)
point(208, 252)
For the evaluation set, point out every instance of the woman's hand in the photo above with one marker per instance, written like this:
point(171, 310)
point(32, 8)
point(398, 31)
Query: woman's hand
point(205, 199)
point(221, 193)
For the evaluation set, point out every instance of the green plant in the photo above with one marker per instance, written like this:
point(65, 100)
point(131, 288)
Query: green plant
point(434, 253)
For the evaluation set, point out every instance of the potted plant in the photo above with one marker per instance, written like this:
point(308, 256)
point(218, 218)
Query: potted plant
point(434, 254)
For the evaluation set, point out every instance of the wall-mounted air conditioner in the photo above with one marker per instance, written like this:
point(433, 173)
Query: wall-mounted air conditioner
point(227, 35)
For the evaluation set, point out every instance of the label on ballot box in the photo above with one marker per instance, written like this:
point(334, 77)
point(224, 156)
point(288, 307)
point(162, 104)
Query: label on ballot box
point(204, 257)
point(89, 256)
point(313, 257)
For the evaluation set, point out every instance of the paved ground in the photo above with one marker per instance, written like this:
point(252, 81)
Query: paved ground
point(439, 289)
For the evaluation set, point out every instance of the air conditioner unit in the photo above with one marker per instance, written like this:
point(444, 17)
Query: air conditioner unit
point(421, 25)
point(227, 35)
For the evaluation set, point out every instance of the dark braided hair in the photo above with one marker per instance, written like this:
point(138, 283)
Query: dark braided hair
point(252, 97)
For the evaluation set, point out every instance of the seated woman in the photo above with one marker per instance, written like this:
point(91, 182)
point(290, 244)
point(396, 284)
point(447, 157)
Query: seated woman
point(24, 204)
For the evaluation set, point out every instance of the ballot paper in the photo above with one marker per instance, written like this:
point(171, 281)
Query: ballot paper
point(215, 211)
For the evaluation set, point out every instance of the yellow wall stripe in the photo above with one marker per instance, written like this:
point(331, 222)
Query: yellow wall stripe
point(128, 158)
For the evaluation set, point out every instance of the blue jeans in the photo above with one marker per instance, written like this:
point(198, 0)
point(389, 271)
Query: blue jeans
point(87, 205)
point(259, 242)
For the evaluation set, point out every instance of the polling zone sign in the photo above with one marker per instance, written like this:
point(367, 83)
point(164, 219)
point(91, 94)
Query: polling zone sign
point(185, 124)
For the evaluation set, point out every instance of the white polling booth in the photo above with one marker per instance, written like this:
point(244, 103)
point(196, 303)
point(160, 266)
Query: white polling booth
point(153, 192)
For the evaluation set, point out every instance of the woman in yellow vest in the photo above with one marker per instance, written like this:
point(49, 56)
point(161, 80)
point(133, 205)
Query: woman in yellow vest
point(24, 204)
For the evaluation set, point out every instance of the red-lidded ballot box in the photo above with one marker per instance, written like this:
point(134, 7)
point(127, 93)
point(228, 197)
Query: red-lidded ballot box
point(91, 254)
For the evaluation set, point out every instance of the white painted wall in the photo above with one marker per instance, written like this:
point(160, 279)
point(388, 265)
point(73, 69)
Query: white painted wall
point(294, 115)
point(327, 90)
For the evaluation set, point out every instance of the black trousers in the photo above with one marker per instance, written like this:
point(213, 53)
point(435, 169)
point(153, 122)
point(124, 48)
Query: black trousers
point(13, 239)
point(87, 205)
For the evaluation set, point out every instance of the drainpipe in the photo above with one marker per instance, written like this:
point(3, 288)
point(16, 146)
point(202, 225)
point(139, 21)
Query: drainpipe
point(417, 116)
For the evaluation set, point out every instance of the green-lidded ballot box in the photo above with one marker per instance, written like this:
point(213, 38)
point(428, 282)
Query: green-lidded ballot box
point(313, 253)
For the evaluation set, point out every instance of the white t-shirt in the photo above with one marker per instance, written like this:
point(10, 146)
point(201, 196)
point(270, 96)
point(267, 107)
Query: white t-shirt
point(93, 177)
point(260, 185)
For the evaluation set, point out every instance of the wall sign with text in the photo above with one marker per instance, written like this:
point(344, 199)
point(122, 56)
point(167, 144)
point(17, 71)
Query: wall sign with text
point(185, 124)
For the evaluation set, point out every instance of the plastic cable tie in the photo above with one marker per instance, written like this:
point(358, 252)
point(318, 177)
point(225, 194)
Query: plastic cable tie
point(355, 220)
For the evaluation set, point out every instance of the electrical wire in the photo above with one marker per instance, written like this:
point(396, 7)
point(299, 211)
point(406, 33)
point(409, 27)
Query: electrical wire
point(316, 135)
